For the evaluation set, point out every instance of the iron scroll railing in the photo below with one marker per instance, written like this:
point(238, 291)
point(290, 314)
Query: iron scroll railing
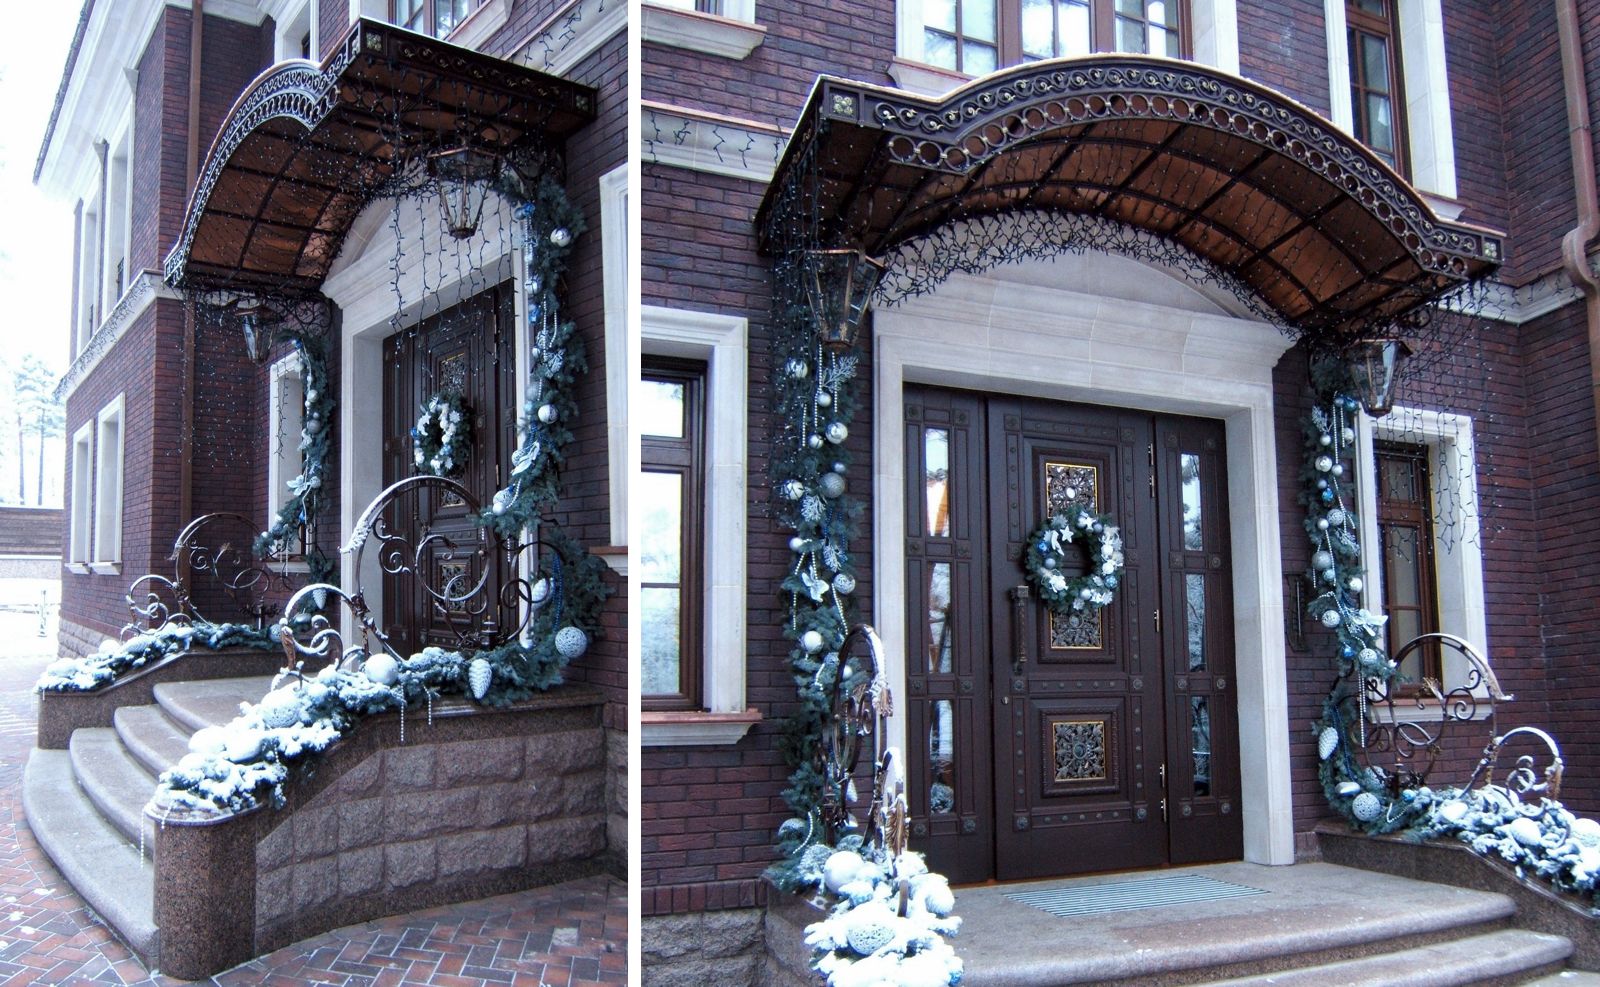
point(215, 579)
point(860, 705)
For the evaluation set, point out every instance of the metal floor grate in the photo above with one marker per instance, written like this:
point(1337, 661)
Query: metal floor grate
point(1130, 895)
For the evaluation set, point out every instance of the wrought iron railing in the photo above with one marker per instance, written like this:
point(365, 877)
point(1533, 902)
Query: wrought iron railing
point(215, 579)
point(860, 706)
point(479, 590)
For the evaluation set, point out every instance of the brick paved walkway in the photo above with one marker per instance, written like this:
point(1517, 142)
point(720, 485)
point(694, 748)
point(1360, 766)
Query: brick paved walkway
point(569, 935)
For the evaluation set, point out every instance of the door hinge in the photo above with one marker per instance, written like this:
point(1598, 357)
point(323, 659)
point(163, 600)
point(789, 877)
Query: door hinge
point(1163, 810)
point(1162, 771)
point(1157, 616)
point(1152, 486)
point(1151, 451)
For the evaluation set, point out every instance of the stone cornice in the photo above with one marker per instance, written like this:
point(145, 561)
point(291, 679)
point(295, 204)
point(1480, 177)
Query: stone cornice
point(143, 292)
point(699, 141)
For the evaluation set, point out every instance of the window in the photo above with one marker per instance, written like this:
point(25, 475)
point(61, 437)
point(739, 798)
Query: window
point(671, 409)
point(82, 498)
point(286, 396)
point(435, 17)
point(1376, 102)
point(118, 227)
point(978, 36)
point(614, 249)
point(108, 485)
point(88, 275)
point(292, 36)
point(1405, 545)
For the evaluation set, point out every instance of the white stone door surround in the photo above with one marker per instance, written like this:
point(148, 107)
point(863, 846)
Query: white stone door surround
point(1101, 329)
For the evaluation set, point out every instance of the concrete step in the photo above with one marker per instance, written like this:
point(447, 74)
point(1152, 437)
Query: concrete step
point(117, 784)
point(151, 736)
point(193, 705)
point(1565, 978)
point(1492, 958)
point(91, 853)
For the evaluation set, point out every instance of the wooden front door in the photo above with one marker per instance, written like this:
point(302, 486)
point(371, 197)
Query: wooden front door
point(466, 348)
point(1044, 746)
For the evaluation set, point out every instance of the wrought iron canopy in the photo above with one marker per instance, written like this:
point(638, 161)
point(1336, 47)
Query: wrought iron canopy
point(1256, 184)
point(305, 147)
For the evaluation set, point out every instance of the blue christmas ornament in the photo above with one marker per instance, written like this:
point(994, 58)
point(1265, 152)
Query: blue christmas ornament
point(1111, 582)
point(1327, 496)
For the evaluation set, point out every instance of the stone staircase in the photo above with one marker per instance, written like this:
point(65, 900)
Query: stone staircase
point(1318, 925)
point(86, 804)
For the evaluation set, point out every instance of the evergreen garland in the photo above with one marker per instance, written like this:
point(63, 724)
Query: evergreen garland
point(117, 658)
point(299, 513)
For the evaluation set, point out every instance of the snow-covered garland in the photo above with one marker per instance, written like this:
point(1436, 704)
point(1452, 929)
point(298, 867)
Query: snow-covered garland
point(299, 512)
point(115, 658)
point(1100, 542)
point(442, 435)
point(1542, 839)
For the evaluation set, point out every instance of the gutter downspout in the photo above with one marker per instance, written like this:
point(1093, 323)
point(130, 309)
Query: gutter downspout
point(197, 20)
point(1575, 245)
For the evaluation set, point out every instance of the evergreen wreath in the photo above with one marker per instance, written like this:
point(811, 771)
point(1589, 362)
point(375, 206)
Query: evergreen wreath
point(442, 438)
point(1101, 542)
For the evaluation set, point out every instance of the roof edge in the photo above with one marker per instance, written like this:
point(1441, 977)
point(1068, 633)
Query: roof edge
point(61, 89)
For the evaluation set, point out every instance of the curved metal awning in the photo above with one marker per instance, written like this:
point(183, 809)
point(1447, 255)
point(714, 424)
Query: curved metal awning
point(1256, 184)
point(307, 146)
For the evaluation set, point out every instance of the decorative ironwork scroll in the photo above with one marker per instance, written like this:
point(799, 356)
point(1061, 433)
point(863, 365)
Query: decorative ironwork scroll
point(215, 579)
point(860, 705)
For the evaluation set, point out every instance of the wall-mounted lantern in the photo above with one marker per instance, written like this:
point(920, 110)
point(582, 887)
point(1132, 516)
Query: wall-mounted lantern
point(1375, 367)
point(839, 286)
point(463, 173)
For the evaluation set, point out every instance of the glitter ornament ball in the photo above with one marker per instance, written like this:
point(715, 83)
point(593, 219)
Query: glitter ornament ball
point(1336, 516)
point(1322, 560)
point(540, 591)
point(832, 485)
point(1331, 618)
point(1368, 657)
point(837, 432)
point(811, 641)
point(844, 584)
point(1366, 807)
point(561, 236)
point(571, 642)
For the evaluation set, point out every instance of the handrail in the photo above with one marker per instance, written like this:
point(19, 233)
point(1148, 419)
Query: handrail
point(203, 555)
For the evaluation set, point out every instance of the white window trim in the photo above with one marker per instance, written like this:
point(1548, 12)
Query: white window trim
point(101, 559)
point(1214, 29)
point(277, 482)
point(286, 31)
point(117, 223)
point(1458, 564)
point(1429, 136)
point(81, 535)
point(721, 341)
point(620, 357)
point(731, 34)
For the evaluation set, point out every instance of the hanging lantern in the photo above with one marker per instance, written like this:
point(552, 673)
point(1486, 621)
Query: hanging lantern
point(257, 322)
point(839, 285)
point(1375, 368)
point(463, 173)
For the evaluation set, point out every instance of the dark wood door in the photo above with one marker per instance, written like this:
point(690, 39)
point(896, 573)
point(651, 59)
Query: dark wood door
point(467, 348)
point(1047, 746)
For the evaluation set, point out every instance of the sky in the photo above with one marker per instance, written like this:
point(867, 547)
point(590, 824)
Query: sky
point(35, 232)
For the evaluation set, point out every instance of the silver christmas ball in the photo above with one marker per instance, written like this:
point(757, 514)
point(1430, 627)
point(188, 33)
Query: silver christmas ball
point(797, 544)
point(811, 641)
point(547, 413)
point(1355, 584)
point(1367, 807)
point(1322, 524)
point(1324, 463)
point(832, 485)
point(815, 441)
point(838, 468)
point(561, 236)
point(1330, 576)
point(1347, 435)
point(1050, 562)
point(1367, 657)
point(1338, 469)
point(793, 489)
point(824, 399)
point(571, 642)
point(837, 432)
point(540, 591)
point(797, 369)
point(1325, 439)
point(1322, 560)
point(280, 708)
point(1336, 516)
point(1331, 618)
point(844, 584)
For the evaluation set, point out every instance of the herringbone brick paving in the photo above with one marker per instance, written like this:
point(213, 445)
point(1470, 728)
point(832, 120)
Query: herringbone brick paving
point(569, 935)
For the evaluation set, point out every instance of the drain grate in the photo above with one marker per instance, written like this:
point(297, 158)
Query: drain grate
point(1131, 895)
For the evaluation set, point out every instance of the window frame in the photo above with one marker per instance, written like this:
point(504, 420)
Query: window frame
point(684, 457)
point(80, 536)
point(1386, 27)
point(1418, 516)
point(106, 546)
point(429, 13)
point(1008, 32)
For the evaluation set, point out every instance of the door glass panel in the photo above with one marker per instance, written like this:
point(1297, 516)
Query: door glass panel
point(658, 648)
point(1193, 536)
point(942, 758)
point(1194, 588)
point(939, 630)
point(936, 470)
point(1404, 626)
point(1064, 484)
point(1200, 743)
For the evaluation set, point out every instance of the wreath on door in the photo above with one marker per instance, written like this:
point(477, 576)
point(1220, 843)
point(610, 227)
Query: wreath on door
point(1096, 539)
point(442, 437)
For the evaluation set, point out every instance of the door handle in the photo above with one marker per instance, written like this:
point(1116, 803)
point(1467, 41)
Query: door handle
point(1019, 627)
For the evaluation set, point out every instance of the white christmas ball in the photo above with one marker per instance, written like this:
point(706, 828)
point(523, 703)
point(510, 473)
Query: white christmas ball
point(561, 236)
point(382, 669)
point(571, 642)
point(1347, 435)
point(797, 544)
point(540, 591)
point(279, 708)
point(1586, 831)
point(1347, 788)
point(1525, 831)
point(797, 369)
point(208, 741)
point(814, 441)
point(1355, 584)
point(1327, 742)
point(832, 485)
point(1331, 618)
point(837, 432)
point(1325, 439)
point(870, 928)
point(844, 584)
point(1324, 464)
point(1322, 560)
point(1367, 807)
point(547, 413)
point(1336, 516)
point(244, 745)
point(793, 489)
point(811, 641)
point(1322, 524)
point(1338, 469)
point(824, 399)
point(1367, 657)
point(840, 869)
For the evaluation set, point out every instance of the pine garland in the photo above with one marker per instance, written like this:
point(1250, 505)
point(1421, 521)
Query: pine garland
point(299, 513)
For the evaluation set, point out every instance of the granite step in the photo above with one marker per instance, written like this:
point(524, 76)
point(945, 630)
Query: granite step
point(193, 705)
point(1505, 956)
point(91, 853)
point(151, 736)
point(116, 783)
point(1565, 978)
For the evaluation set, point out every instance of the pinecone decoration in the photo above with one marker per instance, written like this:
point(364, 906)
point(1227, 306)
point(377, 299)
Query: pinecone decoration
point(479, 675)
point(1327, 742)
